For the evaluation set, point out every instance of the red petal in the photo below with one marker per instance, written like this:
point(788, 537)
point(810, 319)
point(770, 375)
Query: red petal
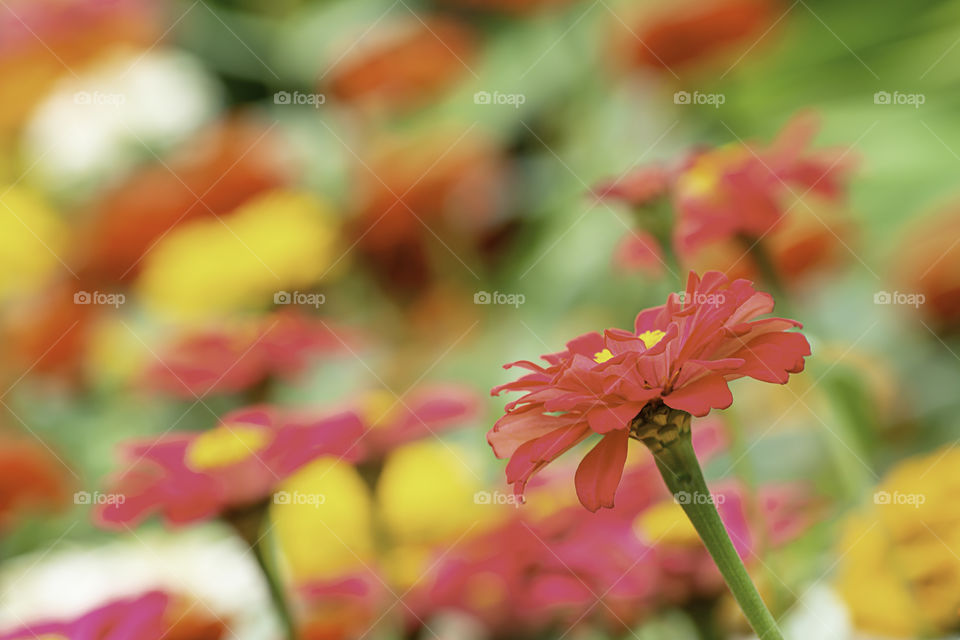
point(598, 475)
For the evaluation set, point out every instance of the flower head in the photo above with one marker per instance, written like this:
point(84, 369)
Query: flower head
point(680, 356)
point(188, 477)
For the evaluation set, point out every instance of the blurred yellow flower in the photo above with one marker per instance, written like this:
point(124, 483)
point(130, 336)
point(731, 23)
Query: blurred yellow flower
point(274, 243)
point(666, 523)
point(900, 572)
point(427, 494)
point(322, 518)
point(31, 238)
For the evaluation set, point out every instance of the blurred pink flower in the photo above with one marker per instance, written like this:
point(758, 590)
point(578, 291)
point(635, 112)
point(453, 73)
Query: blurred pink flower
point(187, 477)
point(681, 354)
point(741, 192)
point(152, 616)
point(390, 421)
point(238, 357)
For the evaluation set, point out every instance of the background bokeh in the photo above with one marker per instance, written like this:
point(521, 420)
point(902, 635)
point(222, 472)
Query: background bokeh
point(310, 204)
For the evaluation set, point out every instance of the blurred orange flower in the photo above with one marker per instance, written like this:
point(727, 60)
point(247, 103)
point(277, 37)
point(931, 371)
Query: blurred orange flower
point(404, 63)
point(927, 262)
point(30, 477)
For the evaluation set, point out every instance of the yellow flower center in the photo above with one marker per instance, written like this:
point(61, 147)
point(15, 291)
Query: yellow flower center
point(377, 407)
point(651, 338)
point(223, 446)
point(602, 356)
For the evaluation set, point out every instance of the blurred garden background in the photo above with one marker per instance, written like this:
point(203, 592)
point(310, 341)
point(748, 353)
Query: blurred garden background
point(261, 262)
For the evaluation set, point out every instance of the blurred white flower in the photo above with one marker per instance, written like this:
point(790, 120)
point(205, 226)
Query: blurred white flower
point(202, 563)
point(117, 112)
point(820, 614)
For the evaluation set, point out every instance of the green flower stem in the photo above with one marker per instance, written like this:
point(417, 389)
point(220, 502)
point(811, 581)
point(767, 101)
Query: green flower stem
point(667, 433)
point(277, 594)
point(248, 522)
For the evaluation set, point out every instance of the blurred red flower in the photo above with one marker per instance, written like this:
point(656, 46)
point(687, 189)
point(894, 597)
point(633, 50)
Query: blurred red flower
point(681, 354)
point(187, 477)
point(927, 264)
point(47, 39)
point(405, 63)
point(216, 172)
point(543, 567)
point(239, 357)
point(726, 199)
point(390, 421)
point(696, 32)
point(30, 477)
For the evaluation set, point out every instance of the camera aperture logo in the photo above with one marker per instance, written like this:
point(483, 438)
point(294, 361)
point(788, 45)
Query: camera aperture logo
point(98, 497)
point(711, 299)
point(496, 497)
point(911, 99)
point(911, 299)
point(299, 297)
point(912, 499)
point(497, 297)
point(687, 497)
point(298, 97)
point(712, 99)
point(512, 99)
point(99, 297)
point(314, 500)
point(99, 98)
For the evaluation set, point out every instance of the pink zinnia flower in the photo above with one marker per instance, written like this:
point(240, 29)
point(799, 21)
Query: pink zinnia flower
point(680, 355)
point(187, 477)
point(390, 421)
point(738, 192)
point(238, 357)
point(152, 616)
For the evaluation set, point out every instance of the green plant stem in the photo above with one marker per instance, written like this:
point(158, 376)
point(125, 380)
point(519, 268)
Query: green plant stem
point(277, 594)
point(681, 471)
point(247, 522)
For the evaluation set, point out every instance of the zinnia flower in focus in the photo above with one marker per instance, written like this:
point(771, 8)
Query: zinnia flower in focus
point(680, 356)
point(152, 616)
point(187, 477)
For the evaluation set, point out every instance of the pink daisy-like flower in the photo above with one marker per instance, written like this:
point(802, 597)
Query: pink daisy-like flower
point(680, 356)
point(390, 421)
point(739, 191)
point(236, 358)
point(187, 477)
